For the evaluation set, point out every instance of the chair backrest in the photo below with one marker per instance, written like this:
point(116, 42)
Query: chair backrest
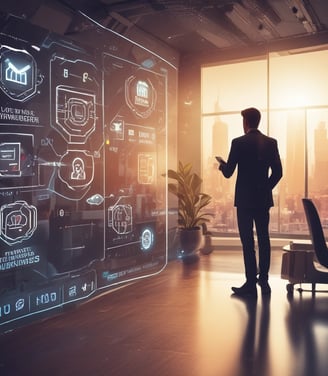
point(316, 231)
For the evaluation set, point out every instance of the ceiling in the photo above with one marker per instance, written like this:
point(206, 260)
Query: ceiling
point(192, 29)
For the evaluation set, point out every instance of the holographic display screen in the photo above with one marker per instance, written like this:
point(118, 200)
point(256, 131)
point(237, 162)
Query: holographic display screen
point(82, 153)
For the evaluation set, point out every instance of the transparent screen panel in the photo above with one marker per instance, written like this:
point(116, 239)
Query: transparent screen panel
point(82, 152)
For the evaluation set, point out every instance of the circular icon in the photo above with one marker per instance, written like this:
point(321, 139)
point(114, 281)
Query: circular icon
point(147, 239)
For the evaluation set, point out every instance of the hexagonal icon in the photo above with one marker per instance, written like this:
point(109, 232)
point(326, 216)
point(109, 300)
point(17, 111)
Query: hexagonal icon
point(18, 222)
point(75, 114)
point(140, 96)
point(120, 218)
point(18, 73)
point(76, 169)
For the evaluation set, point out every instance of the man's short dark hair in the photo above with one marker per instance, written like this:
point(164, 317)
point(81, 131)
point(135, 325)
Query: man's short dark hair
point(252, 116)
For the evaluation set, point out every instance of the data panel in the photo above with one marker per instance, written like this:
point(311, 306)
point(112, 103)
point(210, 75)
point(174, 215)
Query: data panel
point(82, 153)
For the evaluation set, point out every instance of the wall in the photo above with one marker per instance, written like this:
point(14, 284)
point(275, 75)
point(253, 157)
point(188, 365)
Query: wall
point(189, 119)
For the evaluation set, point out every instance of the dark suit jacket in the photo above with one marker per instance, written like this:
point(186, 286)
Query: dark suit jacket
point(259, 169)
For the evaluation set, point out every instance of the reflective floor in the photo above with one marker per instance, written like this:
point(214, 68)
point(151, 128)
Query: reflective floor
point(182, 322)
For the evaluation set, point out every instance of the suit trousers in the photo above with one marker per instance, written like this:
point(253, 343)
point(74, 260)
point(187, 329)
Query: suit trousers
point(246, 218)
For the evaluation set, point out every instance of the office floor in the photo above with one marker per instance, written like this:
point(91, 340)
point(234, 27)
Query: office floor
point(182, 322)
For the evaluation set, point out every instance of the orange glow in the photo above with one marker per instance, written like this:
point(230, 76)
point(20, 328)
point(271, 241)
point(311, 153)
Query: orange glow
point(293, 97)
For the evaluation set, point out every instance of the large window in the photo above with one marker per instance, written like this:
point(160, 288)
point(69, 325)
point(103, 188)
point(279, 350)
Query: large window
point(292, 93)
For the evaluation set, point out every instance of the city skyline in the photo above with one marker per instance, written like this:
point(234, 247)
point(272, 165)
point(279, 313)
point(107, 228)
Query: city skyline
point(294, 158)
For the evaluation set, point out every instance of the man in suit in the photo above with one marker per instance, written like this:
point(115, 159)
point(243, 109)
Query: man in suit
point(259, 170)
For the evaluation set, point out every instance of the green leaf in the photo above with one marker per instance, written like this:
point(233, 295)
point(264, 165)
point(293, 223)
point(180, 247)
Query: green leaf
point(188, 191)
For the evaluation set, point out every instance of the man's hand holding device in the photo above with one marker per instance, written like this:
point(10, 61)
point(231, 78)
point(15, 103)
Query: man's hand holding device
point(220, 160)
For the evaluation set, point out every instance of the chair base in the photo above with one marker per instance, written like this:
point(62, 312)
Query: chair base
point(300, 289)
point(298, 268)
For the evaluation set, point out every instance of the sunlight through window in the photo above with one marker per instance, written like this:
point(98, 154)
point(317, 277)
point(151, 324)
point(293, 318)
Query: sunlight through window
point(291, 90)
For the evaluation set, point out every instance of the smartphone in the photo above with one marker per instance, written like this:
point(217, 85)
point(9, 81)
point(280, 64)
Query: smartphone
point(220, 160)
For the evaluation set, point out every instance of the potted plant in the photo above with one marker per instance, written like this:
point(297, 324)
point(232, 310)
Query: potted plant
point(206, 247)
point(191, 205)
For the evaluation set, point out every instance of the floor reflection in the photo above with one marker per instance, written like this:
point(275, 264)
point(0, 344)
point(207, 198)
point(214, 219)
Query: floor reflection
point(254, 344)
point(183, 321)
point(307, 326)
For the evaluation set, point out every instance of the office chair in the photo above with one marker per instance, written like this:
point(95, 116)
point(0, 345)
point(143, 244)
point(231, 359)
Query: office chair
point(316, 232)
point(307, 266)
